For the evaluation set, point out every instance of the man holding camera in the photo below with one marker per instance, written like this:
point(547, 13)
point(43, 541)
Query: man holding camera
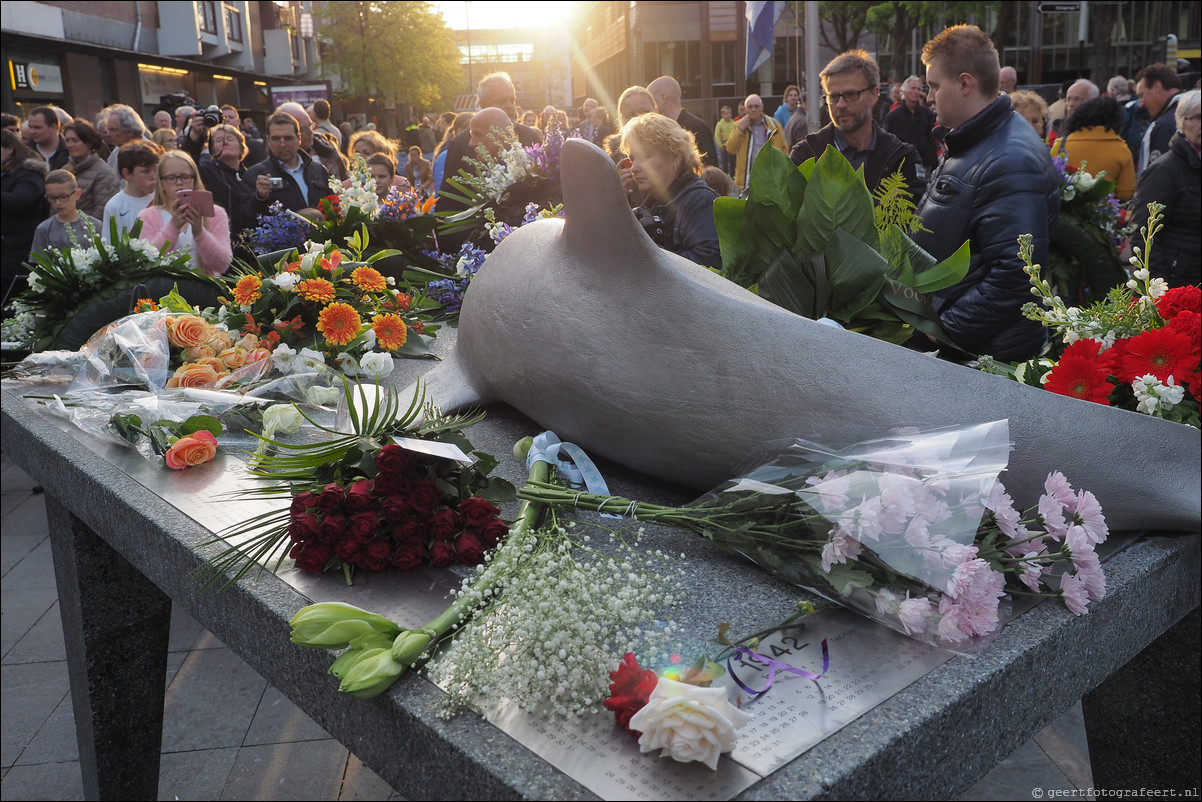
point(195, 138)
point(288, 174)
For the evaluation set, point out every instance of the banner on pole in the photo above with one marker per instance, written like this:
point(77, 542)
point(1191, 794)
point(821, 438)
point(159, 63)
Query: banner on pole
point(762, 17)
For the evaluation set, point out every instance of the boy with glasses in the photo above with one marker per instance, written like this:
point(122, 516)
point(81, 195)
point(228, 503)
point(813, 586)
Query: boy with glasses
point(849, 85)
point(62, 193)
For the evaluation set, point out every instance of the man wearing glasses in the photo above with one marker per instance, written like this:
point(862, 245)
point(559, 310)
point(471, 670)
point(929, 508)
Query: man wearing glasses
point(850, 86)
point(753, 131)
point(288, 174)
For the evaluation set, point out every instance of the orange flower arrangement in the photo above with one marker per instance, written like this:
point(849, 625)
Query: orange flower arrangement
point(390, 330)
point(339, 323)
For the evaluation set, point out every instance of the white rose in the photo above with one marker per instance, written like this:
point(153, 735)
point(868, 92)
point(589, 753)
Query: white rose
point(324, 396)
point(376, 364)
point(281, 419)
point(688, 722)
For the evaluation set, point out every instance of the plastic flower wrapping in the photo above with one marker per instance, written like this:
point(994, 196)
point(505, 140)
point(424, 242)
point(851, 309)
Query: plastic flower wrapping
point(1137, 349)
point(153, 379)
point(914, 531)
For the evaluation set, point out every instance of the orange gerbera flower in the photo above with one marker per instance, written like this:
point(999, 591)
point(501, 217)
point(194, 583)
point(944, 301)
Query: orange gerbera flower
point(390, 331)
point(246, 291)
point(368, 279)
point(316, 289)
point(145, 305)
point(339, 323)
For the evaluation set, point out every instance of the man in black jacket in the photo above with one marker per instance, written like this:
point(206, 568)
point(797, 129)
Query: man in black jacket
point(288, 174)
point(914, 122)
point(996, 182)
point(850, 86)
point(666, 91)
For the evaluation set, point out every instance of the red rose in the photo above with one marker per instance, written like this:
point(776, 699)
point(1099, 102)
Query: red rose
point(392, 459)
point(442, 553)
point(363, 525)
point(312, 556)
point(408, 556)
point(332, 527)
point(444, 525)
point(630, 687)
point(332, 496)
point(358, 496)
point(470, 548)
point(374, 556)
point(424, 495)
point(411, 530)
point(303, 502)
point(386, 484)
point(494, 532)
point(477, 511)
point(348, 549)
point(395, 507)
point(303, 526)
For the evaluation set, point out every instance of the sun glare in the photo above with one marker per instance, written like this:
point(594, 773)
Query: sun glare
point(489, 15)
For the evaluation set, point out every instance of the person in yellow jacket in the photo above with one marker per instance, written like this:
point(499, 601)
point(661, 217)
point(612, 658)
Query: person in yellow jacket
point(753, 131)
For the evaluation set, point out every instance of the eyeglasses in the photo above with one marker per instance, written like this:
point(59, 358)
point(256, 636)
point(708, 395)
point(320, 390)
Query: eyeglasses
point(179, 178)
point(60, 198)
point(851, 96)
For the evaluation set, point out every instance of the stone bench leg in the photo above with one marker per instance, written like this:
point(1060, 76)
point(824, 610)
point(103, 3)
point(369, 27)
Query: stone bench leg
point(116, 625)
point(1143, 722)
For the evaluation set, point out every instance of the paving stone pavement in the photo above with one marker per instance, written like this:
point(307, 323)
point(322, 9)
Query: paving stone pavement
point(228, 735)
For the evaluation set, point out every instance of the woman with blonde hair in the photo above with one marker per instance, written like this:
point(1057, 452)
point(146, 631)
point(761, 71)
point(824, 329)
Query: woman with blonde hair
point(1032, 108)
point(366, 143)
point(173, 219)
point(679, 213)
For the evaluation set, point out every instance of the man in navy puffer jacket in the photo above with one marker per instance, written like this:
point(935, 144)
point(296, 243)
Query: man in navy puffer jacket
point(996, 182)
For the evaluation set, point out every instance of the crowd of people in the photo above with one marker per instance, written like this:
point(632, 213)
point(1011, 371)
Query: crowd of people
point(974, 150)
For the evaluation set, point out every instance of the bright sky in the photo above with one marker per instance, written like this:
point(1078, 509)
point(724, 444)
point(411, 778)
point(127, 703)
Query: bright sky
point(482, 14)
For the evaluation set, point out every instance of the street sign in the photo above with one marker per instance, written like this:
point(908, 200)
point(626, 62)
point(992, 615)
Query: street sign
point(1057, 8)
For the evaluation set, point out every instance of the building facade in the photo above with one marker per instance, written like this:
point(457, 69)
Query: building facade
point(83, 56)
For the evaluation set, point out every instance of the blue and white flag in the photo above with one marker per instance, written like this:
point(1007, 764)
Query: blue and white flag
point(761, 30)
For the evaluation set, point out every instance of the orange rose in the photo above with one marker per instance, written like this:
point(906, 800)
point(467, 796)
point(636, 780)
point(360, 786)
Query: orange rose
point(233, 357)
point(199, 352)
point(248, 342)
point(257, 355)
point(194, 374)
point(186, 331)
point(195, 449)
point(219, 340)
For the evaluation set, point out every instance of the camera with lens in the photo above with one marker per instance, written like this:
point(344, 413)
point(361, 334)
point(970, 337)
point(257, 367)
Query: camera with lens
point(212, 117)
point(655, 226)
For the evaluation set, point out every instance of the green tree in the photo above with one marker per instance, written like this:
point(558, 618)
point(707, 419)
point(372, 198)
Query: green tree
point(842, 24)
point(392, 51)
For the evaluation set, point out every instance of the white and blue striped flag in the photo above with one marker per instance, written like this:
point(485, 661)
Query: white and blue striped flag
point(762, 16)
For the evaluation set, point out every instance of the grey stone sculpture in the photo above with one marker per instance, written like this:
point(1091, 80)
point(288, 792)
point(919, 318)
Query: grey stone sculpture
point(640, 356)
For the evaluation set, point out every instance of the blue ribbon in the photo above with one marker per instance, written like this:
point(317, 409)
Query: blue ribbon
point(570, 462)
point(773, 665)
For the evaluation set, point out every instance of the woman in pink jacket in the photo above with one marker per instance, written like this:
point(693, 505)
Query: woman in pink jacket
point(171, 219)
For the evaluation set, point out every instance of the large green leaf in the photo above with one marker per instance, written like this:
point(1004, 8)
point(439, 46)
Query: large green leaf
point(771, 172)
point(735, 246)
point(949, 272)
point(835, 197)
point(856, 273)
point(914, 308)
point(801, 288)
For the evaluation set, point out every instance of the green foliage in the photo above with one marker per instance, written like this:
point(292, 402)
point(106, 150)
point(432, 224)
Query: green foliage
point(895, 207)
point(394, 51)
point(809, 239)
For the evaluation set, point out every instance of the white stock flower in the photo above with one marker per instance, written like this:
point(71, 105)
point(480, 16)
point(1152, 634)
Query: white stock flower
point(376, 364)
point(688, 723)
point(284, 358)
point(346, 363)
point(1154, 395)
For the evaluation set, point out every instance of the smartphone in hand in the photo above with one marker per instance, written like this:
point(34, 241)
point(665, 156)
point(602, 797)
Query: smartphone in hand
point(200, 199)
